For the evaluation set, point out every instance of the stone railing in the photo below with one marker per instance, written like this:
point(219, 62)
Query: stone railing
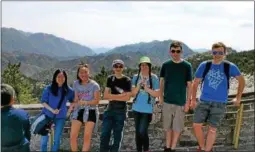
point(236, 129)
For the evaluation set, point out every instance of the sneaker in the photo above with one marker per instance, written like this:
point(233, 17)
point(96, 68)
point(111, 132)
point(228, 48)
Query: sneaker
point(199, 149)
point(167, 149)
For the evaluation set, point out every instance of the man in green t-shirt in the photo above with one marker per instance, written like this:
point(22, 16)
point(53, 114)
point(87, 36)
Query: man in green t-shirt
point(175, 88)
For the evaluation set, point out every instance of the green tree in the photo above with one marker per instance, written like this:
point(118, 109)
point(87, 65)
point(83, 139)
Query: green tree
point(101, 78)
point(23, 88)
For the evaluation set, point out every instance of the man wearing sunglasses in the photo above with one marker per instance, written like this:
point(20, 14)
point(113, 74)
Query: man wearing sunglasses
point(214, 94)
point(118, 92)
point(175, 94)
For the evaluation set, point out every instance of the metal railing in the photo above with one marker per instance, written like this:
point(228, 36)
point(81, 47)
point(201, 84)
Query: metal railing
point(238, 123)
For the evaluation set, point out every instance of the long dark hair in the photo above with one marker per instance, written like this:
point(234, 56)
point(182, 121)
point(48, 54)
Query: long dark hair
point(81, 65)
point(54, 84)
point(150, 79)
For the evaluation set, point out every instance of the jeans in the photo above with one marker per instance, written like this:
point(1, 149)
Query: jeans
point(142, 121)
point(59, 125)
point(112, 121)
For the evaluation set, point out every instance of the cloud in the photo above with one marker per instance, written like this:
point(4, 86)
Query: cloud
point(110, 24)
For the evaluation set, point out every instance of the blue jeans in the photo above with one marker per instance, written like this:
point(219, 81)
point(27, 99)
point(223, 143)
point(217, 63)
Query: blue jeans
point(59, 125)
point(112, 121)
point(142, 121)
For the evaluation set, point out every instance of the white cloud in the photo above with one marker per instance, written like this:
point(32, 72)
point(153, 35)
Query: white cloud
point(110, 24)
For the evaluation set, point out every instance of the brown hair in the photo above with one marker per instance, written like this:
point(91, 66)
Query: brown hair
point(7, 93)
point(175, 44)
point(81, 65)
point(218, 45)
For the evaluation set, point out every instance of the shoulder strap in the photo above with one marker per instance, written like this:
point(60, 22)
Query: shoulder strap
point(136, 81)
point(113, 78)
point(206, 70)
point(60, 101)
point(226, 71)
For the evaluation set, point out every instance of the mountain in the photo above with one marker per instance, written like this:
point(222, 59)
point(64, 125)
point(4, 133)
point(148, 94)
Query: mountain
point(95, 63)
point(154, 49)
point(101, 50)
point(31, 63)
point(200, 50)
point(41, 43)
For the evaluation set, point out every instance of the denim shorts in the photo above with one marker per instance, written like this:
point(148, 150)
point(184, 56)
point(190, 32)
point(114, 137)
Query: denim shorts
point(209, 111)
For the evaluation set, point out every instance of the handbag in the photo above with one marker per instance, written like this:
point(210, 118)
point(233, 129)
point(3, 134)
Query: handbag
point(42, 123)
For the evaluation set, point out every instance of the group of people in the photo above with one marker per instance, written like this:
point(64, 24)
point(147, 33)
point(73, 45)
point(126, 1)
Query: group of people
point(176, 89)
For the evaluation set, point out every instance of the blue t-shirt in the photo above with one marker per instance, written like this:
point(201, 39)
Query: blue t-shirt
point(53, 101)
point(141, 103)
point(215, 86)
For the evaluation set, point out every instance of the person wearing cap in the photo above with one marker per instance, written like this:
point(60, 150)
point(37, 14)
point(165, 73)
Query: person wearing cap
point(175, 94)
point(145, 87)
point(15, 125)
point(118, 92)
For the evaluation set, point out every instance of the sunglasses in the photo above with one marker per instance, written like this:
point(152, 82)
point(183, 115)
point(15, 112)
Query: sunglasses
point(217, 53)
point(176, 51)
point(118, 66)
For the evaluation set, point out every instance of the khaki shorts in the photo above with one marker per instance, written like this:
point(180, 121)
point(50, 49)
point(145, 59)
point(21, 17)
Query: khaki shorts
point(173, 117)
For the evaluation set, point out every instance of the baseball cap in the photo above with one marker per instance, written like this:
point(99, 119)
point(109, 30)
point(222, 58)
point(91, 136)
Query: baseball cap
point(118, 61)
point(145, 59)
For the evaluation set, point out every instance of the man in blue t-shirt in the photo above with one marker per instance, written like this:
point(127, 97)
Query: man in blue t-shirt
point(214, 94)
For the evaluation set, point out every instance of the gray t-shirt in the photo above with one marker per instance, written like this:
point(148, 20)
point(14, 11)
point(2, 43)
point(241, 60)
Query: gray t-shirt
point(86, 92)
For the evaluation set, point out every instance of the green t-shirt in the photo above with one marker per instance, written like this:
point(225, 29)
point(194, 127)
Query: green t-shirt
point(175, 77)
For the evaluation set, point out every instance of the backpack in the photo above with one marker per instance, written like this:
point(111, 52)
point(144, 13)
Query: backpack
point(42, 123)
point(226, 70)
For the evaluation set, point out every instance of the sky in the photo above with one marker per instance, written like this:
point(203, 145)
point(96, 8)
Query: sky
point(111, 24)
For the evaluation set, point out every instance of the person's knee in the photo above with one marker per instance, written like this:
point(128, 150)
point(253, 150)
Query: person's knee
point(105, 134)
point(87, 135)
point(197, 125)
point(212, 130)
point(74, 136)
point(142, 133)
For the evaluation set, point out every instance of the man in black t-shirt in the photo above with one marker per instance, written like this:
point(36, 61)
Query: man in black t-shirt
point(118, 92)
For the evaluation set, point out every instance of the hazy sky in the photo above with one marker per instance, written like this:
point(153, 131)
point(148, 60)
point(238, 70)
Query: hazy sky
point(110, 24)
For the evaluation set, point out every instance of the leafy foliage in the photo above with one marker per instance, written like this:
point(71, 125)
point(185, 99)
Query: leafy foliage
point(20, 83)
point(244, 60)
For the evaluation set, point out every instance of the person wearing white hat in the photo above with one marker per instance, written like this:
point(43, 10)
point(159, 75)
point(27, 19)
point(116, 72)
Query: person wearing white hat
point(145, 88)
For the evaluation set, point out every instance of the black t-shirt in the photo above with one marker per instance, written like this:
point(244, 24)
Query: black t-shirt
point(118, 86)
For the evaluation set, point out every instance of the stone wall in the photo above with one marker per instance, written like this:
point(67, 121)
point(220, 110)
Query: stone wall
point(156, 133)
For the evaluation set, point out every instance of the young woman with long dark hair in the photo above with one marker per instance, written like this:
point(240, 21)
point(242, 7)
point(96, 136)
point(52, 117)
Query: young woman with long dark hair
point(145, 87)
point(50, 98)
